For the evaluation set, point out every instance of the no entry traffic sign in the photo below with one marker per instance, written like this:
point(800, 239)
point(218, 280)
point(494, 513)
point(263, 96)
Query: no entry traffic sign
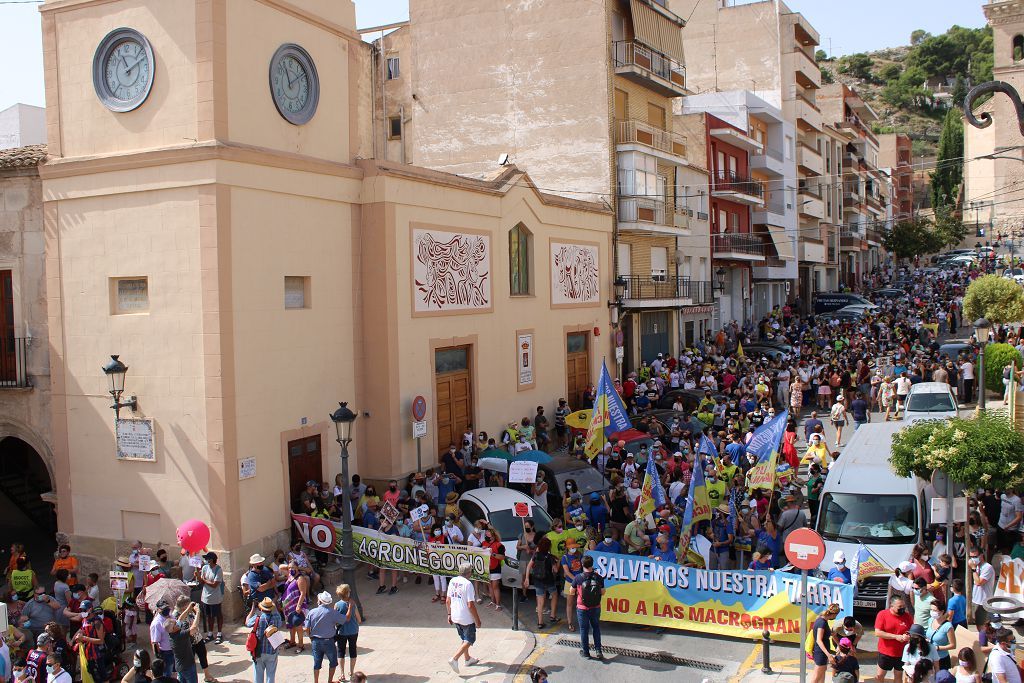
point(805, 549)
point(521, 509)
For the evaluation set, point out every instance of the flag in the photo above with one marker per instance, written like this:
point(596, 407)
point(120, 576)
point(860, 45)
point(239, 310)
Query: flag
point(697, 506)
point(765, 446)
point(868, 564)
point(608, 416)
point(653, 493)
point(739, 350)
point(732, 515)
point(707, 447)
point(83, 666)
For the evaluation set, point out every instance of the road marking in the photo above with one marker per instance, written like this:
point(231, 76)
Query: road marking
point(747, 665)
point(522, 676)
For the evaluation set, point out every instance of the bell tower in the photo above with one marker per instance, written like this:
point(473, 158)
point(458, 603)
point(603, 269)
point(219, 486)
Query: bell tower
point(1007, 21)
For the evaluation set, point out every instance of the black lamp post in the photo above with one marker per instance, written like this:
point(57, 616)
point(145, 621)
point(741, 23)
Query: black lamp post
point(720, 279)
point(343, 418)
point(115, 371)
point(981, 328)
point(985, 120)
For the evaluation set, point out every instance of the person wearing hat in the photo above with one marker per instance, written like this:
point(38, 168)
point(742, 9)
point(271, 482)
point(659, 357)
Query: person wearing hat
point(918, 648)
point(35, 660)
point(792, 517)
point(722, 538)
point(821, 637)
point(159, 634)
point(839, 572)
point(322, 624)
point(264, 619)
point(259, 582)
point(211, 576)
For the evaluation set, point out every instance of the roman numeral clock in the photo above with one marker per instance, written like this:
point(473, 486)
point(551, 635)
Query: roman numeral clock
point(122, 70)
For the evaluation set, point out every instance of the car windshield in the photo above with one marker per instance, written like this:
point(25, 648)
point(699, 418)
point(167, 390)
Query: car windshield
point(587, 480)
point(868, 517)
point(510, 526)
point(1014, 272)
point(930, 403)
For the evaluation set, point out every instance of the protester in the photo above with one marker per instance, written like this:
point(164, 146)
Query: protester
point(821, 639)
point(892, 626)
point(348, 633)
point(321, 623)
point(588, 588)
point(264, 621)
point(462, 613)
point(542, 576)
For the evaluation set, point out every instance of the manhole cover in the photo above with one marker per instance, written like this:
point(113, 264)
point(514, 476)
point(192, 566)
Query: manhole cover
point(663, 657)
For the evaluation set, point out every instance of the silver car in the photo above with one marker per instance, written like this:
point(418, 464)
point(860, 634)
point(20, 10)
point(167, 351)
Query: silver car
point(930, 401)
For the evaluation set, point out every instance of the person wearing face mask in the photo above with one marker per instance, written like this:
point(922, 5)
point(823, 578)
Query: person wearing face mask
point(38, 612)
point(437, 537)
point(259, 582)
point(983, 580)
point(918, 649)
point(578, 531)
point(940, 634)
point(211, 576)
point(298, 558)
point(840, 572)
point(892, 627)
point(55, 673)
point(922, 568)
point(492, 542)
point(140, 667)
point(715, 488)
point(923, 602)
point(571, 566)
point(608, 543)
point(159, 635)
point(966, 670)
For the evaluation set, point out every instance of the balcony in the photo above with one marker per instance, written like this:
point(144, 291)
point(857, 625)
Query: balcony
point(638, 136)
point(851, 238)
point(651, 215)
point(737, 139)
point(649, 68)
point(855, 124)
point(737, 246)
point(737, 188)
point(808, 159)
point(13, 365)
point(769, 160)
point(801, 61)
point(811, 207)
point(773, 213)
point(664, 290)
point(874, 237)
point(806, 113)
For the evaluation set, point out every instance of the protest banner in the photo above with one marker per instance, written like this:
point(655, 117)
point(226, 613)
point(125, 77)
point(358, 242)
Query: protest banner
point(741, 604)
point(393, 552)
point(1011, 583)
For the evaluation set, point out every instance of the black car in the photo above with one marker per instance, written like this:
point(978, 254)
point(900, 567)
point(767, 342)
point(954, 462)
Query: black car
point(889, 293)
point(763, 350)
point(952, 350)
point(826, 302)
point(563, 467)
point(691, 398)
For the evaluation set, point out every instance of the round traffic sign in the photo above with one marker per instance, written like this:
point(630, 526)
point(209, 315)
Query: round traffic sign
point(419, 408)
point(805, 549)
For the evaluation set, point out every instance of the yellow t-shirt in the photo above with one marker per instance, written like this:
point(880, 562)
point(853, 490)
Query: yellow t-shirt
point(557, 543)
point(716, 493)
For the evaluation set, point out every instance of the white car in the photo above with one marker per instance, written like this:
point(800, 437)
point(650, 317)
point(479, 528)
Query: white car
point(930, 401)
point(496, 505)
point(1015, 274)
point(861, 309)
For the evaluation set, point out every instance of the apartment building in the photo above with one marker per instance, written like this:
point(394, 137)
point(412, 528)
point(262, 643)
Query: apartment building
point(895, 158)
point(994, 174)
point(588, 118)
point(865, 187)
point(774, 219)
point(768, 49)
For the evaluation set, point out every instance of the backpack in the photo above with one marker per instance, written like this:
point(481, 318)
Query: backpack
point(252, 642)
point(542, 571)
point(590, 590)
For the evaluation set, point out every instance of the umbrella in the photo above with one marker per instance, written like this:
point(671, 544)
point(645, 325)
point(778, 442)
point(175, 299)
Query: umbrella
point(497, 464)
point(166, 589)
point(579, 420)
point(539, 457)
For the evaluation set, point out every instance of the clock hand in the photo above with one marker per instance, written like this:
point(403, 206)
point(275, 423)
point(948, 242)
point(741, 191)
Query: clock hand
point(134, 64)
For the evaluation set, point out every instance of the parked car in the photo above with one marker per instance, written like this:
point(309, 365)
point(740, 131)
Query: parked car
point(846, 316)
point(952, 350)
point(930, 401)
point(826, 302)
point(495, 504)
point(769, 352)
point(691, 398)
point(561, 469)
point(863, 309)
point(1015, 274)
point(889, 293)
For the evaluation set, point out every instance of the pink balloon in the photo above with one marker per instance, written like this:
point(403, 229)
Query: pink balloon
point(193, 535)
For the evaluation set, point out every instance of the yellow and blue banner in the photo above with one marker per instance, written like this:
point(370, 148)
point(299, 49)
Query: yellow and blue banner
point(765, 445)
point(868, 564)
point(653, 493)
point(707, 447)
point(741, 604)
point(608, 416)
point(697, 507)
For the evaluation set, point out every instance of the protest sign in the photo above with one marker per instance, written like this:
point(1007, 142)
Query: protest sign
point(740, 604)
point(419, 513)
point(388, 515)
point(522, 472)
point(393, 552)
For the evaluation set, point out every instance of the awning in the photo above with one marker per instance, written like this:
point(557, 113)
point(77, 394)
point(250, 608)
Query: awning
point(656, 31)
point(783, 242)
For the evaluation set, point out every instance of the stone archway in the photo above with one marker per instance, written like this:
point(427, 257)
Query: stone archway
point(27, 485)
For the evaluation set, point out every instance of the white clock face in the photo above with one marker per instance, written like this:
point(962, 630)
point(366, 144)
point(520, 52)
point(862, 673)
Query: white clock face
point(127, 70)
point(122, 70)
point(294, 85)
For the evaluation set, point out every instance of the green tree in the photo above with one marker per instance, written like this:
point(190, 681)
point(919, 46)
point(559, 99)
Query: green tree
point(999, 299)
point(911, 238)
point(997, 357)
point(949, 229)
point(857, 65)
point(949, 166)
point(953, 446)
point(959, 92)
point(952, 53)
point(820, 56)
point(918, 36)
point(908, 90)
point(889, 73)
point(826, 76)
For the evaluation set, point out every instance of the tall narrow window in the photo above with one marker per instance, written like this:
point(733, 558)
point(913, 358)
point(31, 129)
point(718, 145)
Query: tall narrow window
point(519, 261)
point(394, 128)
point(393, 68)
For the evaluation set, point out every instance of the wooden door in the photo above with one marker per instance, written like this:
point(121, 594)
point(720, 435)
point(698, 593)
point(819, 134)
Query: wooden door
point(305, 463)
point(454, 395)
point(577, 368)
point(8, 360)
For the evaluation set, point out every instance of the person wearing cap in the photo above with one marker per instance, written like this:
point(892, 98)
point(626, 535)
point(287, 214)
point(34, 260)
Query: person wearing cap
point(183, 630)
point(35, 660)
point(821, 637)
point(561, 429)
point(259, 582)
point(892, 626)
point(159, 634)
point(845, 667)
point(265, 621)
point(322, 624)
point(211, 576)
point(839, 572)
point(918, 647)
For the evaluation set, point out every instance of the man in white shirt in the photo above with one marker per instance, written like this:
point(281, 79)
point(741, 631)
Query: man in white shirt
point(1001, 662)
point(1010, 512)
point(903, 384)
point(967, 375)
point(462, 614)
point(983, 579)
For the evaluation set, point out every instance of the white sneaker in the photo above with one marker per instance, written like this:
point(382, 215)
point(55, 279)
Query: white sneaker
point(454, 664)
point(472, 661)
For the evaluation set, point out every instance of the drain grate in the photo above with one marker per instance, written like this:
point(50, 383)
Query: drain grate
point(663, 657)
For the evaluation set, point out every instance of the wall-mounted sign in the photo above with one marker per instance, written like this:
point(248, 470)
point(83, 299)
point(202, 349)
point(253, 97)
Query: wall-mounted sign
point(524, 358)
point(246, 468)
point(136, 439)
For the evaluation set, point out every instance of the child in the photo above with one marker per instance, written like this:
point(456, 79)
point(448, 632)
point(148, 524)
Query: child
point(92, 586)
point(956, 608)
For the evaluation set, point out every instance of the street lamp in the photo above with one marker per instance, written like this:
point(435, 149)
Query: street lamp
point(621, 284)
point(981, 328)
point(115, 371)
point(720, 279)
point(343, 419)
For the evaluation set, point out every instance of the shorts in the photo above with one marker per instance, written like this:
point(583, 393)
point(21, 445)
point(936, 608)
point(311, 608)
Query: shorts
point(211, 611)
point(200, 652)
point(324, 647)
point(839, 423)
point(467, 632)
point(294, 620)
point(544, 588)
point(824, 390)
point(496, 576)
point(340, 642)
point(561, 431)
point(887, 663)
point(819, 657)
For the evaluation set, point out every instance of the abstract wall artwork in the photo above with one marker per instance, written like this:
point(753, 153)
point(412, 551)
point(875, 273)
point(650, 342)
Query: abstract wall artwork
point(574, 274)
point(451, 271)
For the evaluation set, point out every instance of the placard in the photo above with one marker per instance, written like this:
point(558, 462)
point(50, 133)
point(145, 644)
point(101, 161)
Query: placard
point(135, 439)
point(419, 513)
point(145, 563)
point(246, 468)
point(524, 358)
point(522, 472)
point(119, 581)
point(939, 510)
point(195, 561)
point(419, 429)
point(522, 510)
point(388, 514)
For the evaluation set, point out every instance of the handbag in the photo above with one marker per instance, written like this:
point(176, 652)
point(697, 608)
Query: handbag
point(252, 641)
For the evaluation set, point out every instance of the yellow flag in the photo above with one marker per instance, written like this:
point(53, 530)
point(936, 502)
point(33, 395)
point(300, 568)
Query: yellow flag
point(739, 349)
point(83, 666)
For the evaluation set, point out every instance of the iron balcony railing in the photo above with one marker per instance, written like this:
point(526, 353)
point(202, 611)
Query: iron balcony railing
point(641, 288)
point(13, 367)
point(637, 132)
point(642, 210)
point(629, 53)
point(737, 243)
point(727, 181)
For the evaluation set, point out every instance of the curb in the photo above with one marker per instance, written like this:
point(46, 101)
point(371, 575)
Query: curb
point(517, 663)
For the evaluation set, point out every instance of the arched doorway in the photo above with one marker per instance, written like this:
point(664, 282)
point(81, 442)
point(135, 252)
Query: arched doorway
point(24, 516)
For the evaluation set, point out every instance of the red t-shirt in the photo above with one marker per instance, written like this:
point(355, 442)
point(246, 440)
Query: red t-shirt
point(892, 623)
point(495, 547)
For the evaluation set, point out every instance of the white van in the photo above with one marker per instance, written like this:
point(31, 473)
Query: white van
point(863, 501)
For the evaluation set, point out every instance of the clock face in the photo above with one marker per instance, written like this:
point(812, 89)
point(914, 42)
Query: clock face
point(123, 70)
point(294, 85)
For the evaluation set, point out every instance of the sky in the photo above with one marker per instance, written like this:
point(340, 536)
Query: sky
point(845, 26)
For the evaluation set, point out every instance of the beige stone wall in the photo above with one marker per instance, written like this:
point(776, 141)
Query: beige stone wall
point(537, 90)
